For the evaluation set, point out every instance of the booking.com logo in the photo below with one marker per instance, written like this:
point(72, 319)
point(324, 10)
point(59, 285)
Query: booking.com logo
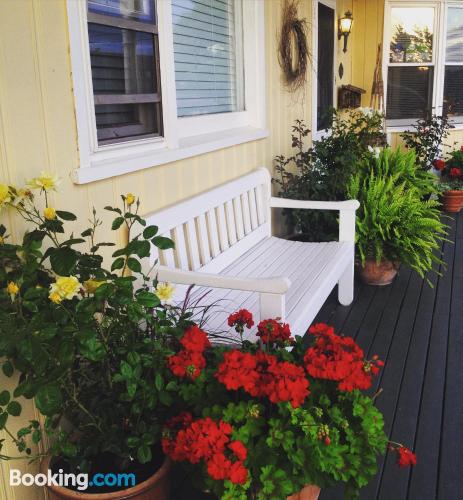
point(79, 481)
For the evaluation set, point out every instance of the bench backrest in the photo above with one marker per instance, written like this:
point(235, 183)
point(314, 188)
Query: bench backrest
point(215, 227)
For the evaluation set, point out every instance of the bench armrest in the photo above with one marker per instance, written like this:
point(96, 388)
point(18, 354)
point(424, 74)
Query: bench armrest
point(276, 202)
point(276, 285)
point(346, 212)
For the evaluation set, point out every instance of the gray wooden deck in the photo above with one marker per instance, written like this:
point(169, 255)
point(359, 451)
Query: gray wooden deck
point(418, 332)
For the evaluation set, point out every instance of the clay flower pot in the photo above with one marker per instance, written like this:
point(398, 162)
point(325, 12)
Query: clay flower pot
point(310, 492)
point(378, 274)
point(452, 201)
point(156, 487)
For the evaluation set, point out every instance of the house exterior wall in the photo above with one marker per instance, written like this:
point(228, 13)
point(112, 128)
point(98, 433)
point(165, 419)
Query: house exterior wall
point(38, 131)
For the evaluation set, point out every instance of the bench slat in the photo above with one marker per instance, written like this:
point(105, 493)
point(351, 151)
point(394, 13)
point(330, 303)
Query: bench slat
point(246, 214)
point(192, 245)
point(253, 208)
point(203, 239)
point(230, 222)
point(222, 223)
point(238, 217)
point(213, 232)
point(180, 248)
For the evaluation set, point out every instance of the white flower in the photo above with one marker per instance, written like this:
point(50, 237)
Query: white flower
point(165, 292)
point(376, 151)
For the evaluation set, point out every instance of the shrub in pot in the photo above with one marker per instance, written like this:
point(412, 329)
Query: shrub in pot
point(426, 139)
point(395, 224)
point(451, 181)
point(322, 171)
point(278, 418)
point(89, 343)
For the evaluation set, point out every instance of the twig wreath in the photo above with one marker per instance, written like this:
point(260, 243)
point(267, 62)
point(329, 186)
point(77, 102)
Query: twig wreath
point(293, 50)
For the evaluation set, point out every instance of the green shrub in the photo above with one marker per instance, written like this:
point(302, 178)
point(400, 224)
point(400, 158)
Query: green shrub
point(323, 171)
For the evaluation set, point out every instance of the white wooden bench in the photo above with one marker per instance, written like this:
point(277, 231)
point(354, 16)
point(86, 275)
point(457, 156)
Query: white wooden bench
point(224, 244)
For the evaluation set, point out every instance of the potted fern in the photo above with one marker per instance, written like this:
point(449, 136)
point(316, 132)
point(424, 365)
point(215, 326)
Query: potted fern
point(395, 223)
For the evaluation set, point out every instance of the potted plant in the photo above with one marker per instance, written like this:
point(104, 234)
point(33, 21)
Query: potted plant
point(278, 418)
point(395, 224)
point(451, 181)
point(89, 345)
point(322, 171)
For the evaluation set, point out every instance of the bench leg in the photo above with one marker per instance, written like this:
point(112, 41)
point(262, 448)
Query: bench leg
point(346, 286)
point(272, 306)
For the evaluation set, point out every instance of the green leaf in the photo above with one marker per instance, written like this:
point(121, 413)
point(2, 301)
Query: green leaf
point(144, 454)
point(158, 381)
point(126, 370)
point(63, 261)
point(72, 241)
point(48, 399)
point(7, 369)
point(87, 232)
point(4, 398)
point(14, 409)
point(117, 223)
point(65, 215)
point(150, 232)
point(3, 419)
point(134, 265)
point(147, 299)
point(118, 264)
point(36, 436)
point(163, 243)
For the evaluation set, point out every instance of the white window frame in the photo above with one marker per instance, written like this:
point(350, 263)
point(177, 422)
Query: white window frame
point(439, 53)
point(183, 137)
point(318, 134)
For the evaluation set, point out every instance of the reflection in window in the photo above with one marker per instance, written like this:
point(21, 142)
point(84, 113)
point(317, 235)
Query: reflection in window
point(412, 35)
point(454, 51)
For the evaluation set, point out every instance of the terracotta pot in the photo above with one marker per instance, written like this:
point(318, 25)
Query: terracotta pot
point(157, 487)
point(452, 201)
point(378, 274)
point(310, 492)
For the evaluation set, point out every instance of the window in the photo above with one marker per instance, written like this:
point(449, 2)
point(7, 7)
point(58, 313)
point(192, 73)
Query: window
point(424, 60)
point(324, 13)
point(208, 52)
point(161, 80)
point(124, 60)
point(453, 86)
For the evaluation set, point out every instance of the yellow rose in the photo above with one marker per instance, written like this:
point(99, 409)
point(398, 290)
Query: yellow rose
point(46, 181)
point(12, 288)
point(165, 292)
point(55, 297)
point(91, 285)
point(5, 196)
point(21, 195)
point(49, 213)
point(67, 287)
point(130, 199)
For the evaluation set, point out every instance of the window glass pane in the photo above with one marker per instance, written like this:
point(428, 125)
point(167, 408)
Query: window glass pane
point(122, 60)
point(116, 122)
point(208, 56)
point(409, 91)
point(138, 10)
point(325, 79)
point(454, 51)
point(412, 35)
point(453, 91)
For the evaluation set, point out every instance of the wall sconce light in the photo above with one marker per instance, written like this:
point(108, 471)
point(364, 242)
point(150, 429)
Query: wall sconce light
point(345, 26)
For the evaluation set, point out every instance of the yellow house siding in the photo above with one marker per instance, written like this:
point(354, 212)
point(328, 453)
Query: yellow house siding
point(38, 131)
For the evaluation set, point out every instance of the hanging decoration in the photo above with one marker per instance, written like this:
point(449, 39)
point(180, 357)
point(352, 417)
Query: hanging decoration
point(377, 90)
point(293, 50)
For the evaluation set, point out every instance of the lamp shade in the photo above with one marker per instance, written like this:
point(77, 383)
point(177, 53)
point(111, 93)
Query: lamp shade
point(345, 23)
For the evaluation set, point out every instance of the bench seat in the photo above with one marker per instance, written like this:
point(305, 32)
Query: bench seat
point(312, 269)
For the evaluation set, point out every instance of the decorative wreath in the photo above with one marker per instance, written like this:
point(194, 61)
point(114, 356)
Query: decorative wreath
point(293, 49)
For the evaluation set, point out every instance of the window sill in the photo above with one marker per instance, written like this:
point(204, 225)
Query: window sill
point(100, 169)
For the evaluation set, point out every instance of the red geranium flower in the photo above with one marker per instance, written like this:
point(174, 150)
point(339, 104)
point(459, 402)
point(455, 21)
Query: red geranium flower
point(439, 164)
point(186, 364)
point(271, 331)
point(241, 319)
point(195, 340)
point(461, 148)
point(207, 440)
point(405, 457)
point(340, 359)
point(455, 172)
